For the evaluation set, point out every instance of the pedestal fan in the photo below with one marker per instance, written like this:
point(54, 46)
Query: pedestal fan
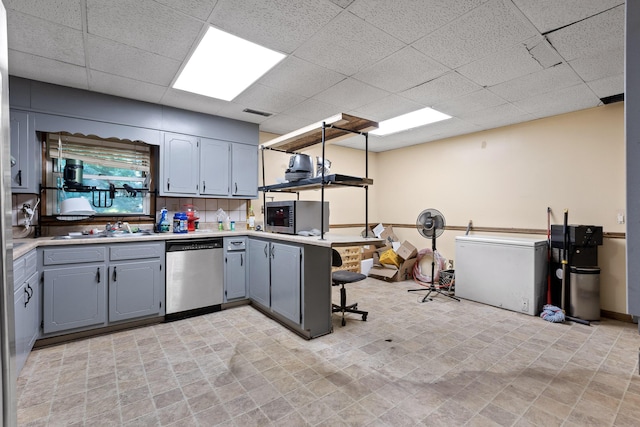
point(430, 224)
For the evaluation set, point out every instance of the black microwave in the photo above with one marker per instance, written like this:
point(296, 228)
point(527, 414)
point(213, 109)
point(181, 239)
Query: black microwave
point(294, 216)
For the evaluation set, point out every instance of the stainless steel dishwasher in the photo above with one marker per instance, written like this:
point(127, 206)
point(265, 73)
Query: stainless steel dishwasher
point(195, 276)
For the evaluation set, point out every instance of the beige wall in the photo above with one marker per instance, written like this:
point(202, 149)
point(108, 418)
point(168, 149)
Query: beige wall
point(504, 178)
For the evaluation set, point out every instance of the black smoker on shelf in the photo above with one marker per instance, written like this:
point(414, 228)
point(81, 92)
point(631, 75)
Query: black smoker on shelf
point(582, 286)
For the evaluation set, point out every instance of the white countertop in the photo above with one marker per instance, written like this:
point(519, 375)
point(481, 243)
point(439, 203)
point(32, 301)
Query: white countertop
point(22, 246)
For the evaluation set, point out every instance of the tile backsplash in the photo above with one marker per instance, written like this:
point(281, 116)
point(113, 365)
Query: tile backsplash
point(207, 209)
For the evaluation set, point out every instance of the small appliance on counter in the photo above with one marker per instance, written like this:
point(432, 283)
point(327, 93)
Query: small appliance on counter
point(300, 167)
point(294, 216)
point(73, 170)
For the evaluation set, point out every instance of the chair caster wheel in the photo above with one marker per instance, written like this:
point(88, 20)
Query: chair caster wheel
point(344, 322)
point(364, 317)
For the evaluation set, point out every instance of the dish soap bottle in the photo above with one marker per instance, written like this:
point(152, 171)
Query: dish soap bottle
point(163, 224)
point(251, 225)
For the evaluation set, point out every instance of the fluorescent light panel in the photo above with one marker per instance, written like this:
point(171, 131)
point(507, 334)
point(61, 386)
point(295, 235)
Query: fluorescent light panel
point(223, 65)
point(410, 120)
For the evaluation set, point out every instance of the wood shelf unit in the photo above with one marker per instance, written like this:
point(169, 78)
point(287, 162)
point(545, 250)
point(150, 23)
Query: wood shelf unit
point(333, 129)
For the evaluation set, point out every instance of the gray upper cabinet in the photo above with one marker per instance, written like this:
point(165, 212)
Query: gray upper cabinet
point(208, 167)
point(25, 156)
point(179, 172)
point(214, 167)
point(244, 170)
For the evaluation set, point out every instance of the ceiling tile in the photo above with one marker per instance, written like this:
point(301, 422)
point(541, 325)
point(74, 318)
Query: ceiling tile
point(44, 38)
point(313, 110)
point(401, 70)
point(166, 32)
point(599, 65)
point(516, 61)
point(548, 15)
point(191, 101)
point(573, 98)
point(126, 61)
point(64, 12)
point(342, 3)
point(601, 32)
point(487, 29)
point(608, 86)
point(282, 124)
point(200, 9)
point(386, 108)
point(478, 100)
point(277, 24)
point(495, 116)
point(350, 94)
point(263, 98)
point(47, 70)
point(551, 79)
point(348, 44)
point(451, 85)
point(301, 77)
point(125, 87)
point(410, 20)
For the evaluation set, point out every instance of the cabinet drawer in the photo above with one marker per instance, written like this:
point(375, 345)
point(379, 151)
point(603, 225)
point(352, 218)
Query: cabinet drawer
point(19, 272)
point(31, 263)
point(136, 251)
point(73, 255)
point(23, 268)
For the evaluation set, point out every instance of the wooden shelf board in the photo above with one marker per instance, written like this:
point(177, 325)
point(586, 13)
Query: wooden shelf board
point(312, 134)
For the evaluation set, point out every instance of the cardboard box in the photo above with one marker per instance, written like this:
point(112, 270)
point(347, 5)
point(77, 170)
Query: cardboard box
point(388, 236)
point(407, 251)
point(393, 274)
point(368, 251)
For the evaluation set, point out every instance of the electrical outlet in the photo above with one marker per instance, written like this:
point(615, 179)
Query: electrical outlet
point(525, 304)
point(620, 217)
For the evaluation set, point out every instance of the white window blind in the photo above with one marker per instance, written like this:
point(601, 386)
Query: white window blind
point(111, 153)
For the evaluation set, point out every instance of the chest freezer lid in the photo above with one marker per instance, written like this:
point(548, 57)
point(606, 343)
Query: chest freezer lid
point(500, 240)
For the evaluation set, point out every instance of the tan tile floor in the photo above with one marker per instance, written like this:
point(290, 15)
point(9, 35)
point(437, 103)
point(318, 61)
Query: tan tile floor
point(440, 363)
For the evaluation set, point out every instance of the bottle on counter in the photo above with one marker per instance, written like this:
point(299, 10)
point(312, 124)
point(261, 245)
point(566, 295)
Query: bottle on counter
point(251, 224)
point(180, 222)
point(163, 224)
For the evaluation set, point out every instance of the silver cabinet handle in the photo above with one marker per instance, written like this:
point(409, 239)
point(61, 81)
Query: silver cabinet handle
point(265, 249)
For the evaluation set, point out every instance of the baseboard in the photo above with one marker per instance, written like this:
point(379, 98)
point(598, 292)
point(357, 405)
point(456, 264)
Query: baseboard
point(617, 316)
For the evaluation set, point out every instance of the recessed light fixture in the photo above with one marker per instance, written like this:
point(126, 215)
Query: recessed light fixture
point(410, 120)
point(223, 65)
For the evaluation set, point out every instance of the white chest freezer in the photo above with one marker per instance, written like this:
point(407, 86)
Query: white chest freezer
point(510, 273)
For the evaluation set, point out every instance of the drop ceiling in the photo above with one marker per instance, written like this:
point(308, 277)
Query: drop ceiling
point(487, 63)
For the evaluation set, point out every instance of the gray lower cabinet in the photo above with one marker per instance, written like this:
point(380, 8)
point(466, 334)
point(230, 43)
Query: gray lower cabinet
point(26, 306)
point(235, 267)
point(286, 281)
point(258, 279)
point(90, 286)
point(274, 277)
point(74, 297)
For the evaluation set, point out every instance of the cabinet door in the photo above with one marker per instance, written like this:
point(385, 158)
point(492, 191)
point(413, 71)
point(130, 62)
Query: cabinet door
point(285, 280)
point(24, 164)
point(180, 164)
point(21, 313)
point(214, 167)
point(134, 289)
point(234, 275)
point(258, 277)
point(74, 297)
point(33, 311)
point(244, 170)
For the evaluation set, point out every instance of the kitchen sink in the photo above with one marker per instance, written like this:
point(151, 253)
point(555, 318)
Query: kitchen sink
point(104, 235)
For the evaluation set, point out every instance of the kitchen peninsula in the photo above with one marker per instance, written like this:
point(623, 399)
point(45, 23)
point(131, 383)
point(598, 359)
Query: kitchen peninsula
point(288, 277)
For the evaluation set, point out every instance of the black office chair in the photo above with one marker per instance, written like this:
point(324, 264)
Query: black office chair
point(340, 278)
